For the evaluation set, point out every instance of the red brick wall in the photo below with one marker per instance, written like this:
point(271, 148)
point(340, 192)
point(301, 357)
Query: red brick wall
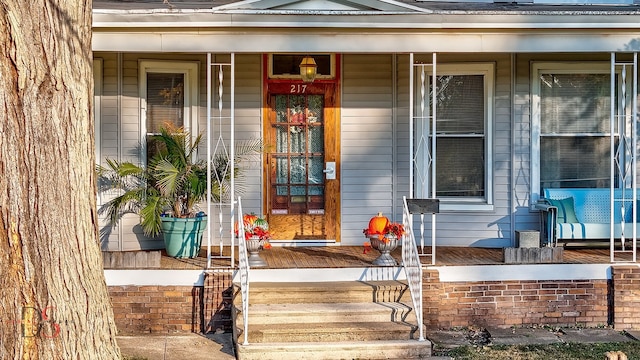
point(626, 297)
point(514, 303)
point(169, 309)
point(218, 298)
point(166, 309)
point(156, 309)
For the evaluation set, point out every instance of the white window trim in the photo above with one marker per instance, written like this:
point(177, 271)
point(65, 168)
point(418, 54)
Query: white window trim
point(487, 70)
point(538, 68)
point(190, 69)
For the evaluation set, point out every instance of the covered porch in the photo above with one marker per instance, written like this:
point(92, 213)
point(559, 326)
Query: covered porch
point(355, 256)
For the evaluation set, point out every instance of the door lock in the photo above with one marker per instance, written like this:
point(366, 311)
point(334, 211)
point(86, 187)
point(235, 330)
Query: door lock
point(330, 170)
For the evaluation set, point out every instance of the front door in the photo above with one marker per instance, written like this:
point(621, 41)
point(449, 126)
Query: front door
point(302, 162)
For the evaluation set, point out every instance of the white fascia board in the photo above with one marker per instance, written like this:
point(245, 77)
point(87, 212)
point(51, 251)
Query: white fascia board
point(361, 20)
point(354, 42)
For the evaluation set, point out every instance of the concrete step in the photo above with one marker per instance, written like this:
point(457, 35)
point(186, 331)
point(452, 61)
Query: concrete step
point(308, 313)
point(329, 320)
point(348, 350)
point(331, 332)
point(328, 292)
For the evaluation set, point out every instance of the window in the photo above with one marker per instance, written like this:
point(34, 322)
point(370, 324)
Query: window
point(571, 131)
point(168, 93)
point(464, 101)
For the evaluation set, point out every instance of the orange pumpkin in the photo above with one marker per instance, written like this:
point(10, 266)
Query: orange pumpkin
point(377, 224)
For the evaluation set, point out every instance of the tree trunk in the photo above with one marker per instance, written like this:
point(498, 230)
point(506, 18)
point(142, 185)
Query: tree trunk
point(53, 297)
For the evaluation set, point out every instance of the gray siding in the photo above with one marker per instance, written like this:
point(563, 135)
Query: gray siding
point(374, 133)
point(120, 132)
point(366, 142)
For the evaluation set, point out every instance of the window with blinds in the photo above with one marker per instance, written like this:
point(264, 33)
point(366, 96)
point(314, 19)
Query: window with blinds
point(460, 136)
point(165, 100)
point(165, 106)
point(464, 106)
point(575, 142)
point(168, 92)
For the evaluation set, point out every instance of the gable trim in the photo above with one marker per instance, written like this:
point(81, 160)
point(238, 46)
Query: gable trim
point(284, 6)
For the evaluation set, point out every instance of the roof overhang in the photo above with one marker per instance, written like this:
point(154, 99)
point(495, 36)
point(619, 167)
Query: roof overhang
point(388, 27)
point(371, 41)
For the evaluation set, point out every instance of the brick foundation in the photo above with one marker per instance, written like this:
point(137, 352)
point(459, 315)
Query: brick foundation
point(626, 297)
point(514, 303)
point(171, 309)
point(589, 303)
point(218, 298)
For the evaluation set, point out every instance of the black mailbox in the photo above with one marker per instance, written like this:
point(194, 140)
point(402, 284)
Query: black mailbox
point(423, 206)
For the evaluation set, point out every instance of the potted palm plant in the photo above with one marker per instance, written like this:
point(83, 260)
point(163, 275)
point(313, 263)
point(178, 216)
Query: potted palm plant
point(166, 192)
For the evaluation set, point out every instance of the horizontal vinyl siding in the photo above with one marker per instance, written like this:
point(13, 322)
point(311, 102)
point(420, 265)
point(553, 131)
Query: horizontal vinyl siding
point(109, 141)
point(247, 117)
point(366, 142)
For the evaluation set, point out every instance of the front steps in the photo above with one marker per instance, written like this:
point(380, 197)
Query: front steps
point(329, 320)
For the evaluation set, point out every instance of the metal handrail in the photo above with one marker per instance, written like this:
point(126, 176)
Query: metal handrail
point(244, 269)
point(412, 266)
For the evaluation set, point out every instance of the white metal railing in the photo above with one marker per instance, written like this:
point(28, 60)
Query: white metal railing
point(243, 268)
point(411, 265)
point(220, 142)
point(623, 165)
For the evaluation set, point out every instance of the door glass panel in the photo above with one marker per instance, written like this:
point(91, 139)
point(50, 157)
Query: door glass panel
point(316, 139)
point(316, 165)
point(298, 170)
point(298, 159)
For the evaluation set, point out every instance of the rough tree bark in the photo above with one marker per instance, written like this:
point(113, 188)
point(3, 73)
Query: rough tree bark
point(53, 297)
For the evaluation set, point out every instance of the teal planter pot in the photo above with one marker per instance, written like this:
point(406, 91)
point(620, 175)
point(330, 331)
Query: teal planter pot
point(182, 237)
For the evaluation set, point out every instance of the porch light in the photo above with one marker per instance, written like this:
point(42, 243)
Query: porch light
point(308, 69)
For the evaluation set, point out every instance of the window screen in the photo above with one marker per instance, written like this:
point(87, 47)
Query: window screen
point(574, 118)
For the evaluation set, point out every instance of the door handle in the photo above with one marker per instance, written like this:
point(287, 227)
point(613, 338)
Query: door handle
point(330, 170)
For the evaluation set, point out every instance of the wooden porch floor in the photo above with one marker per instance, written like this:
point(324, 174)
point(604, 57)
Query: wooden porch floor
point(354, 256)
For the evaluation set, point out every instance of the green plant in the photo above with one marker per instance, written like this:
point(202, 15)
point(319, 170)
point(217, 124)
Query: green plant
point(174, 181)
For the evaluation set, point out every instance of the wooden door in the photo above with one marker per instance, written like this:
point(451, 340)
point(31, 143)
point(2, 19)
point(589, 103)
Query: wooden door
point(301, 133)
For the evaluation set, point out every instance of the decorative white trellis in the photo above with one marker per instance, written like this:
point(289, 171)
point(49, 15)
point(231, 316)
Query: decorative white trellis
point(422, 141)
point(220, 122)
point(624, 173)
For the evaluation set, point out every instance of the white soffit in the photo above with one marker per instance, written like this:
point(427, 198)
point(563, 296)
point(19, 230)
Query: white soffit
point(364, 43)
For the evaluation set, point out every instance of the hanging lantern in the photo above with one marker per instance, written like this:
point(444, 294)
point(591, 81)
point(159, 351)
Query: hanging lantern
point(308, 69)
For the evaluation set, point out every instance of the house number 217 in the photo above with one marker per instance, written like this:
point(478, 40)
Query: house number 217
point(298, 88)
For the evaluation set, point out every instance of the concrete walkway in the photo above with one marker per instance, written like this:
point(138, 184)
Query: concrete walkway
point(220, 346)
point(177, 347)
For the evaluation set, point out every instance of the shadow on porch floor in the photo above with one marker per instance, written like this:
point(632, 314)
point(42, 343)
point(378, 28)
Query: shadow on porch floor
point(354, 256)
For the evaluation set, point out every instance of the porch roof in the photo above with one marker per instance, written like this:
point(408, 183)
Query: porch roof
point(381, 26)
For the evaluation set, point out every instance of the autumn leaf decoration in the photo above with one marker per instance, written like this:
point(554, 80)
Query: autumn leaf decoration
point(255, 226)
